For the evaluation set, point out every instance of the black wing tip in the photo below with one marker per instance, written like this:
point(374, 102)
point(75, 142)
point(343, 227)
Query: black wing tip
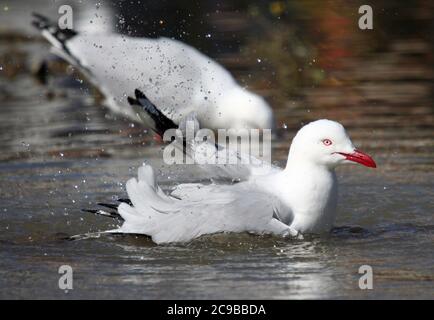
point(42, 22)
point(89, 210)
point(139, 94)
point(37, 25)
point(125, 200)
point(133, 101)
point(161, 122)
point(108, 205)
point(104, 212)
point(113, 206)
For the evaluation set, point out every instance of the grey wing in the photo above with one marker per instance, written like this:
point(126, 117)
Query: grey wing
point(170, 72)
point(227, 162)
point(223, 162)
point(201, 210)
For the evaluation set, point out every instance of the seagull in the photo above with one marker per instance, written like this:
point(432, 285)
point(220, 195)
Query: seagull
point(174, 75)
point(298, 199)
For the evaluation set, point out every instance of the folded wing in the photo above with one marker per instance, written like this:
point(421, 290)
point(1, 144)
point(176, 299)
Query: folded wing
point(193, 210)
point(223, 162)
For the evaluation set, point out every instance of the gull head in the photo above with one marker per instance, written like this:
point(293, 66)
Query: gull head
point(325, 142)
point(242, 109)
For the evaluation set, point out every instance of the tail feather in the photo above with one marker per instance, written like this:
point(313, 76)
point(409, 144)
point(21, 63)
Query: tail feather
point(109, 213)
point(149, 204)
point(104, 213)
point(146, 174)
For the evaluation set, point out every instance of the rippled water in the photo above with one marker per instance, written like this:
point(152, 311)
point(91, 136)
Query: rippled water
point(61, 152)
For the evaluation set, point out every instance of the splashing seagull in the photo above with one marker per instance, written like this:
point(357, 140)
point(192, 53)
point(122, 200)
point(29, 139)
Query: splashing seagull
point(173, 74)
point(301, 198)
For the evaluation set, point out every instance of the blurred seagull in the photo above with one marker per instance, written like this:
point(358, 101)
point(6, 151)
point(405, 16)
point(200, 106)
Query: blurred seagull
point(301, 198)
point(173, 74)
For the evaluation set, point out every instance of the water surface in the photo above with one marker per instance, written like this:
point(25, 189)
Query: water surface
point(61, 151)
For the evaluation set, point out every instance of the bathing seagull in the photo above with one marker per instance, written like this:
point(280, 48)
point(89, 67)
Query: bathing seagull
point(173, 74)
point(299, 199)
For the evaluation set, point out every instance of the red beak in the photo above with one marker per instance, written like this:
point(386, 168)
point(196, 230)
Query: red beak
point(360, 157)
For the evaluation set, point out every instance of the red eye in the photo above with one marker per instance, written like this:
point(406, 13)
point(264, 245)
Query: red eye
point(327, 142)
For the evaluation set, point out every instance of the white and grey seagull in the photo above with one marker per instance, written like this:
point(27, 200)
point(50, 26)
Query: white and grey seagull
point(173, 74)
point(301, 198)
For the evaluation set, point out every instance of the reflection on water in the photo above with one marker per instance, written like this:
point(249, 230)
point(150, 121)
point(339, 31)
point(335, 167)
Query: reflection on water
point(60, 152)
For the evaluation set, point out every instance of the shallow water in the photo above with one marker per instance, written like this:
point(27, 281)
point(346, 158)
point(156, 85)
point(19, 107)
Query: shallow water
point(61, 152)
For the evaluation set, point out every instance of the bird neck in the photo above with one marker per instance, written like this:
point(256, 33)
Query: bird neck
point(309, 175)
point(311, 193)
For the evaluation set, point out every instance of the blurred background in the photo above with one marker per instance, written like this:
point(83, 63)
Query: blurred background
point(60, 150)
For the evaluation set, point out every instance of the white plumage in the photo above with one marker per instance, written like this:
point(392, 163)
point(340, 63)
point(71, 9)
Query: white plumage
point(302, 198)
point(173, 74)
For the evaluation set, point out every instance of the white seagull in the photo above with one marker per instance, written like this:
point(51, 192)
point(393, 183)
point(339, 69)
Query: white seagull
point(301, 198)
point(173, 74)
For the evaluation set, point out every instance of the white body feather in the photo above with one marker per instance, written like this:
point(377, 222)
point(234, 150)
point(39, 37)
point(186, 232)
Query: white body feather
point(195, 210)
point(302, 198)
point(171, 74)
